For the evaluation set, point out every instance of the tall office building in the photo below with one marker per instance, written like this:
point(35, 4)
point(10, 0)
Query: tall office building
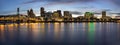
point(42, 12)
point(103, 14)
point(88, 15)
point(18, 11)
point(48, 14)
point(30, 13)
point(67, 14)
point(59, 12)
point(55, 14)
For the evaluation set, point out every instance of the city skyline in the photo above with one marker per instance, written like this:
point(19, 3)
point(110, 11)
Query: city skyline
point(56, 16)
point(77, 7)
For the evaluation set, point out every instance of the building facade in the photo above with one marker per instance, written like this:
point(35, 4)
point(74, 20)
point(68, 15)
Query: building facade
point(42, 12)
point(31, 13)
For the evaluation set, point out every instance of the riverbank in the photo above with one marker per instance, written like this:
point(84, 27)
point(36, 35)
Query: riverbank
point(1, 22)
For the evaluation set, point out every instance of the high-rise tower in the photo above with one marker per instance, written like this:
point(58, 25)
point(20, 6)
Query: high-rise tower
point(42, 12)
point(18, 11)
point(30, 13)
point(103, 14)
point(59, 12)
point(67, 14)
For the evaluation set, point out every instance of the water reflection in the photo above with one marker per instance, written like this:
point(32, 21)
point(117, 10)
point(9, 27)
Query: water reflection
point(60, 33)
point(91, 33)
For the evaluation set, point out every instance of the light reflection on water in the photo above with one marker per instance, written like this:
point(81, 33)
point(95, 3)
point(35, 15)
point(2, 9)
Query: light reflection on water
point(60, 34)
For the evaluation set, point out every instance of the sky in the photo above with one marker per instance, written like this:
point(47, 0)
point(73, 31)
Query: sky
point(76, 7)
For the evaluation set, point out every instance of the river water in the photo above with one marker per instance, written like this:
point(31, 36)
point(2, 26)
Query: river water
point(60, 34)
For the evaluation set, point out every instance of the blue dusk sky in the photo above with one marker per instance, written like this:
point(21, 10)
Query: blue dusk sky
point(76, 7)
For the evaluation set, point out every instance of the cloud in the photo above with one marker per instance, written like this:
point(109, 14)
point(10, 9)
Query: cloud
point(106, 10)
point(97, 13)
point(116, 2)
point(115, 13)
point(76, 12)
point(58, 1)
